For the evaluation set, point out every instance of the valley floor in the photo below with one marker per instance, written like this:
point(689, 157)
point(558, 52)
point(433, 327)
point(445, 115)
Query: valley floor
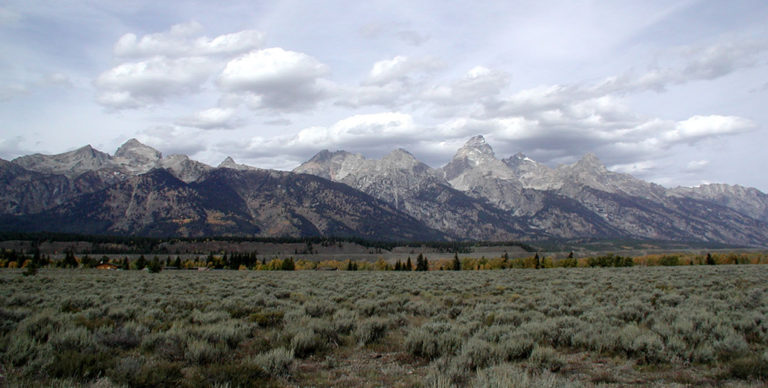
point(688, 325)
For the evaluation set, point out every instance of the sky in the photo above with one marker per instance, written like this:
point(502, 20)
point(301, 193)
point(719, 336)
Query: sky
point(673, 92)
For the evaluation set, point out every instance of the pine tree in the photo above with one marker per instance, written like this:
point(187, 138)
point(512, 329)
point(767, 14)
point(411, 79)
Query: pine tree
point(456, 262)
point(710, 259)
point(421, 263)
point(31, 269)
point(69, 259)
point(37, 259)
point(288, 264)
point(408, 265)
point(141, 262)
point(155, 266)
point(537, 260)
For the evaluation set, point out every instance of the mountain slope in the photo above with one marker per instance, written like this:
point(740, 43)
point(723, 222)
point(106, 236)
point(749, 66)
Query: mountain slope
point(227, 202)
point(748, 201)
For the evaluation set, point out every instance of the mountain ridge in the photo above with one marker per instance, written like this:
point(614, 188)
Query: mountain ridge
point(475, 196)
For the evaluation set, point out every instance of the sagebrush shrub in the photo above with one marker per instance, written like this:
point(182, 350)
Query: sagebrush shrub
point(546, 358)
point(370, 330)
point(276, 362)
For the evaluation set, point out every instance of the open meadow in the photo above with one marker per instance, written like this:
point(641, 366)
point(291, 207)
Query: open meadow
point(686, 325)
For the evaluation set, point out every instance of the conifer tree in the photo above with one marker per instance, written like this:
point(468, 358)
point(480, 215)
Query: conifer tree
point(141, 262)
point(710, 259)
point(288, 264)
point(408, 265)
point(421, 263)
point(155, 266)
point(69, 259)
point(456, 262)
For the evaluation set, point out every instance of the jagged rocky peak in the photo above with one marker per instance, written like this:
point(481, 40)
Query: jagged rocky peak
point(228, 163)
point(401, 158)
point(475, 157)
point(518, 159)
point(231, 164)
point(136, 157)
point(331, 165)
point(135, 150)
point(476, 150)
point(72, 163)
point(590, 162)
point(322, 156)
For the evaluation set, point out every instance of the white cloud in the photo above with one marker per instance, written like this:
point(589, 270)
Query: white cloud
point(697, 128)
point(389, 95)
point(12, 147)
point(696, 165)
point(390, 83)
point(181, 41)
point(213, 118)
point(136, 84)
point(172, 139)
point(370, 132)
point(173, 63)
point(399, 69)
point(480, 83)
point(277, 78)
point(637, 168)
point(401, 31)
point(13, 90)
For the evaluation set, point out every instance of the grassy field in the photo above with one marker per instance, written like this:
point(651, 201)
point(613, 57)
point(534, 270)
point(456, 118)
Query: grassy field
point(685, 325)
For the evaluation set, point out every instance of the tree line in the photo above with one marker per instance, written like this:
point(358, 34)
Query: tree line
point(10, 258)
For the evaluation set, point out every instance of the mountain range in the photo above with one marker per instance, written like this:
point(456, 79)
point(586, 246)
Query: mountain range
point(476, 196)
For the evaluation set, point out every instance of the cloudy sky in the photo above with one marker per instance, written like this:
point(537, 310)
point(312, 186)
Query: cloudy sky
point(670, 91)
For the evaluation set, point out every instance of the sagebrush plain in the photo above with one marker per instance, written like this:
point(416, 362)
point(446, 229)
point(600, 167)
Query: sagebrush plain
point(686, 325)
